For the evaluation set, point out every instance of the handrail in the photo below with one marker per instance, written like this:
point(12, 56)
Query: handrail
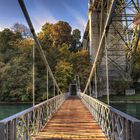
point(114, 123)
point(26, 111)
point(25, 124)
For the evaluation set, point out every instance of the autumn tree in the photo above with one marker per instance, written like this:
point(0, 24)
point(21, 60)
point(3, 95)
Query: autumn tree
point(61, 33)
point(57, 34)
point(63, 74)
point(64, 53)
point(16, 61)
point(45, 36)
point(81, 66)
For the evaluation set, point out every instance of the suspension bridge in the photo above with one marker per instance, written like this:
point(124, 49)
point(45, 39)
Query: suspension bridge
point(80, 115)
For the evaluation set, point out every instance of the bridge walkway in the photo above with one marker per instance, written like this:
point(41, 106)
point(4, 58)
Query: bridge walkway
point(72, 121)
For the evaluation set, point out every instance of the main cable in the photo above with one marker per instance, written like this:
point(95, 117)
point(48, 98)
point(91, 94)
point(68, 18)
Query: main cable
point(27, 17)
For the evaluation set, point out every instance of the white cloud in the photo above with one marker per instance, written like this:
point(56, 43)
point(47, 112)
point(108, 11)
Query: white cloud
point(39, 20)
point(1, 28)
point(47, 16)
point(81, 22)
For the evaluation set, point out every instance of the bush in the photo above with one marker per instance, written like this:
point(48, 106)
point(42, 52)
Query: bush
point(119, 86)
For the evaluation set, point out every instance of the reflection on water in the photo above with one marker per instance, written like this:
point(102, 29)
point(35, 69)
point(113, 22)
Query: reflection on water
point(7, 110)
point(132, 109)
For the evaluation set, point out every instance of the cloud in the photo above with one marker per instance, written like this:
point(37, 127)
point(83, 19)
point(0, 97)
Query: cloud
point(80, 20)
point(42, 14)
point(1, 28)
point(40, 19)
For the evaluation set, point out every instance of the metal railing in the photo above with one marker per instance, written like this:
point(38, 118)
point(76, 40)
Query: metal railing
point(23, 125)
point(114, 123)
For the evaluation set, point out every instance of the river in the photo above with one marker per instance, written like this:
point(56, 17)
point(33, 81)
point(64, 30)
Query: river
point(132, 109)
point(7, 110)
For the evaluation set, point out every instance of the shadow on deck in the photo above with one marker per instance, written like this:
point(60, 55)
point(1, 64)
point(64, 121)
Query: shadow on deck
point(72, 121)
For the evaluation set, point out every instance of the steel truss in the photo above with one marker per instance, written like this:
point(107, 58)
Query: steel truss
point(116, 24)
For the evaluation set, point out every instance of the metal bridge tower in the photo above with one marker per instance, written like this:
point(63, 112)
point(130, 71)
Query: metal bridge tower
point(110, 30)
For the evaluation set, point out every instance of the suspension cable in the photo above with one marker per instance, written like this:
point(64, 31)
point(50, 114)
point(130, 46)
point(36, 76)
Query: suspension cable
point(33, 75)
point(54, 89)
point(47, 84)
point(100, 44)
point(107, 76)
point(33, 78)
point(96, 94)
point(42, 54)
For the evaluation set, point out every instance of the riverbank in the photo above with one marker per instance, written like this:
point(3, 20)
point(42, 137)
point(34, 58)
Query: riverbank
point(121, 99)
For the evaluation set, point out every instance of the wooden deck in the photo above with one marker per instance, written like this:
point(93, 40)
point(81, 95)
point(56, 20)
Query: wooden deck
point(72, 122)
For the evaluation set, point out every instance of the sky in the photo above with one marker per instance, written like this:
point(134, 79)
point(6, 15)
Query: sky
point(41, 11)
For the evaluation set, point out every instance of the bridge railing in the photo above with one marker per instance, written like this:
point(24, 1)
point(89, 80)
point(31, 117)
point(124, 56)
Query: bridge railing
point(23, 125)
point(114, 123)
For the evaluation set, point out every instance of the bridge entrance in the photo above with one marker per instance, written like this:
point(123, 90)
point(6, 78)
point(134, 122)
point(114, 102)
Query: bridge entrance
point(73, 89)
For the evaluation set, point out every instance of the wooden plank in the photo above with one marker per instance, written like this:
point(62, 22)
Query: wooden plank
point(71, 122)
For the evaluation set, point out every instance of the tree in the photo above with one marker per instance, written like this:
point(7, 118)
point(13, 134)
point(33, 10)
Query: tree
point(76, 35)
point(61, 33)
point(64, 53)
point(81, 66)
point(63, 74)
point(16, 62)
point(22, 29)
point(8, 40)
point(45, 35)
point(15, 77)
point(136, 70)
point(75, 40)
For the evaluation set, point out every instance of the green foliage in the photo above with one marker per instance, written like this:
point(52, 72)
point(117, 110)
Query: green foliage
point(136, 70)
point(45, 35)
point(7, 40)
point(119, 86)
point(81, 66)
point(61, 33)
point(75, 40)
point(16, 62)
point(56, 34)
point(63, 74)
point(79, 62)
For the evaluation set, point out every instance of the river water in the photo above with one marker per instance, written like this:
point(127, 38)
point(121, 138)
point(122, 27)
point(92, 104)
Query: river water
point(132, 109)
point(10, 109)
point(7, 110)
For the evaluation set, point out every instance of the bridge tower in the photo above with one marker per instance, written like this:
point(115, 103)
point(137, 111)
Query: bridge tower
point(118, 38)
point(94, 32)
